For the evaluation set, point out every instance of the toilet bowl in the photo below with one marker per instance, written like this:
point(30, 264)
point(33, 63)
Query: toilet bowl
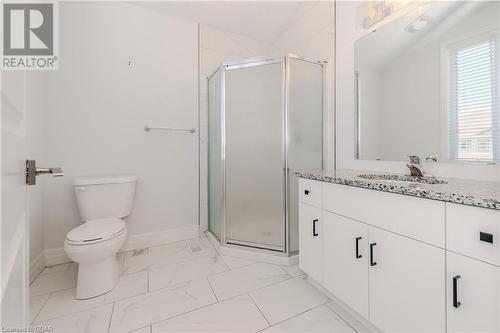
point(102, 202)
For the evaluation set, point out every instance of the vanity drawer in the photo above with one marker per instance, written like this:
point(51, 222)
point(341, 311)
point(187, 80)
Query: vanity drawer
point(417, 218)
point(474, 232)
point(310, 192)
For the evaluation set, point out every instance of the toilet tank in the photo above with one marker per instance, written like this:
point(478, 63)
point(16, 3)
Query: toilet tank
point(105, 196)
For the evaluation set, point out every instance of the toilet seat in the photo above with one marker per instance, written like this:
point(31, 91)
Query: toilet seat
point(96, 231)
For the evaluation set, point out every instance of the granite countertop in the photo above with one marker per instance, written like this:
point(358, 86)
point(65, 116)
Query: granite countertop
point(460, 191)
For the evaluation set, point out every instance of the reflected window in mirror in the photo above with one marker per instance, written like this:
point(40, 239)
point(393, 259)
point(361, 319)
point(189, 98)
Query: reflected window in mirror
point(473, 97)
point(427, 83)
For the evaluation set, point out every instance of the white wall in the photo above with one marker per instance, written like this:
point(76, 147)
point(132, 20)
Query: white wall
point(349, 29)
point(122, 67)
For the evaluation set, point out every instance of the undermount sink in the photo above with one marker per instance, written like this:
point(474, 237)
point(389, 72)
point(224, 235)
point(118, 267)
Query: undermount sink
point(403, 178)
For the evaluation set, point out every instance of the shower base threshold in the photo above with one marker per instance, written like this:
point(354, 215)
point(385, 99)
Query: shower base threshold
point(251, 253)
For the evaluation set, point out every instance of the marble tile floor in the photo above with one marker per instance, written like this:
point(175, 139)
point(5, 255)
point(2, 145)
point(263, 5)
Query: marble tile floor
point(186, 287)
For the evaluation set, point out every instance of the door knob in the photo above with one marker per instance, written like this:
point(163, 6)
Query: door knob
point(32, 171)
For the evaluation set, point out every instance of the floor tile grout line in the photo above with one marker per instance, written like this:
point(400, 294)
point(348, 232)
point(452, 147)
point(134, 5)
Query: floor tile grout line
point(180, 314)
point(185, 262)
point(342, 317)
point(289, 277)
point(201, 256)
point(45, 267)
point(210, 304)
point(262, 313)
point(38, 312)
point(252, 290)
point(53, 292)
point(294, 316)
point(202, 307)
point(301, 313)
point(92, 307)
point(149, 284)
point(239, 268)
point(156, 290)
point(212, 288)
point(72, 313)
point(235, 268)
point(111, 317)
point(122, 299)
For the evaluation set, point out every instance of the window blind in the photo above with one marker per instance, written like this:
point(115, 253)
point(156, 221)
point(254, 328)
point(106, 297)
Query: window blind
point(474, 117)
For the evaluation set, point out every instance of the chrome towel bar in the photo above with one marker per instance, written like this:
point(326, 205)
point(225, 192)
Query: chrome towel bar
point(149, 128)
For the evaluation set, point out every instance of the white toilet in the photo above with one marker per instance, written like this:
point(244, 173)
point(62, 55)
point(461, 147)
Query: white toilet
point(103, 202)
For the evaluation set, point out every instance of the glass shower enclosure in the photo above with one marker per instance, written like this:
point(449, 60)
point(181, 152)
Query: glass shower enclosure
point(265, 121)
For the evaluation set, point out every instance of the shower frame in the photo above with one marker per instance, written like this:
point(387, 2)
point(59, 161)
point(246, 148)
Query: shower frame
point(246, 63)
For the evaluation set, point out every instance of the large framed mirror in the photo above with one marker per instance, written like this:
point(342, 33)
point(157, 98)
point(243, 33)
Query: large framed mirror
point(428, 84)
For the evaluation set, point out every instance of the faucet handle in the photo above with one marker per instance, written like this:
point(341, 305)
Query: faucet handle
point(414, 159)
point(432, 158)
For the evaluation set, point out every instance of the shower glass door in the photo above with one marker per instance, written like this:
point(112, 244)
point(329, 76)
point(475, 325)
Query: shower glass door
point(305, 132)
point(214, 153)
point(254, 160)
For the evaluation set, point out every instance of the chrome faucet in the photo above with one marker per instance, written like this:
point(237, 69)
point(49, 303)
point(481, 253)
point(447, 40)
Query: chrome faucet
point(432, 158)
point(415, 166)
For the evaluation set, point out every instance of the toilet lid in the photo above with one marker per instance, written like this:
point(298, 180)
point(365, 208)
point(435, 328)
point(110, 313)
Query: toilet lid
point(96, 231)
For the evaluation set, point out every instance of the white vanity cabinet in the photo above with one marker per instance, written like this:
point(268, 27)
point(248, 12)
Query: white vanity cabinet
point(407, 284)
point(473, 295)
point(310, 235)
point(393, 258)
point(473, 272)
point(345, 260)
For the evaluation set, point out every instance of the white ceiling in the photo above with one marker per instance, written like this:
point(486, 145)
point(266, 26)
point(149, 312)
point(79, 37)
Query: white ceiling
point(261, 20)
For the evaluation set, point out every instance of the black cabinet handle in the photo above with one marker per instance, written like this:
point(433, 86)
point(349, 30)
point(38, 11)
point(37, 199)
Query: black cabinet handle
point(306, 192)
point(357, 248)
point(486, 237)
point(314, 228)
point(372, 263)
point(456, 303)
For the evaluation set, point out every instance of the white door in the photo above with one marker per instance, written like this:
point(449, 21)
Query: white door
point(345, 258)
point(473, 297)
point(310, 235)
point(14, 239)
point(407, 284)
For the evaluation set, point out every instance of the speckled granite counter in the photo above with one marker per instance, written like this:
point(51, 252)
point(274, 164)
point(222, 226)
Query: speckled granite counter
point(460, 191)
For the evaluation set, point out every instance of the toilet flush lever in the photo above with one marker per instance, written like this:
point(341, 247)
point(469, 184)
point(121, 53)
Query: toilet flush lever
point(32, 171)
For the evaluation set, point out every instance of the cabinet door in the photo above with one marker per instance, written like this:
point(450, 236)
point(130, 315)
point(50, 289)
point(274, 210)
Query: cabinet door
point(310, 236)
point(407, 284)
point(474, 304)
point(345, 260)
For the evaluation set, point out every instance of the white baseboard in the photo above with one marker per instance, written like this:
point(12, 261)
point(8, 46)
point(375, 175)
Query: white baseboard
point(37, 266)
point(252, 254)
point(149, 239)
point(134, 242)
point(55, 256)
